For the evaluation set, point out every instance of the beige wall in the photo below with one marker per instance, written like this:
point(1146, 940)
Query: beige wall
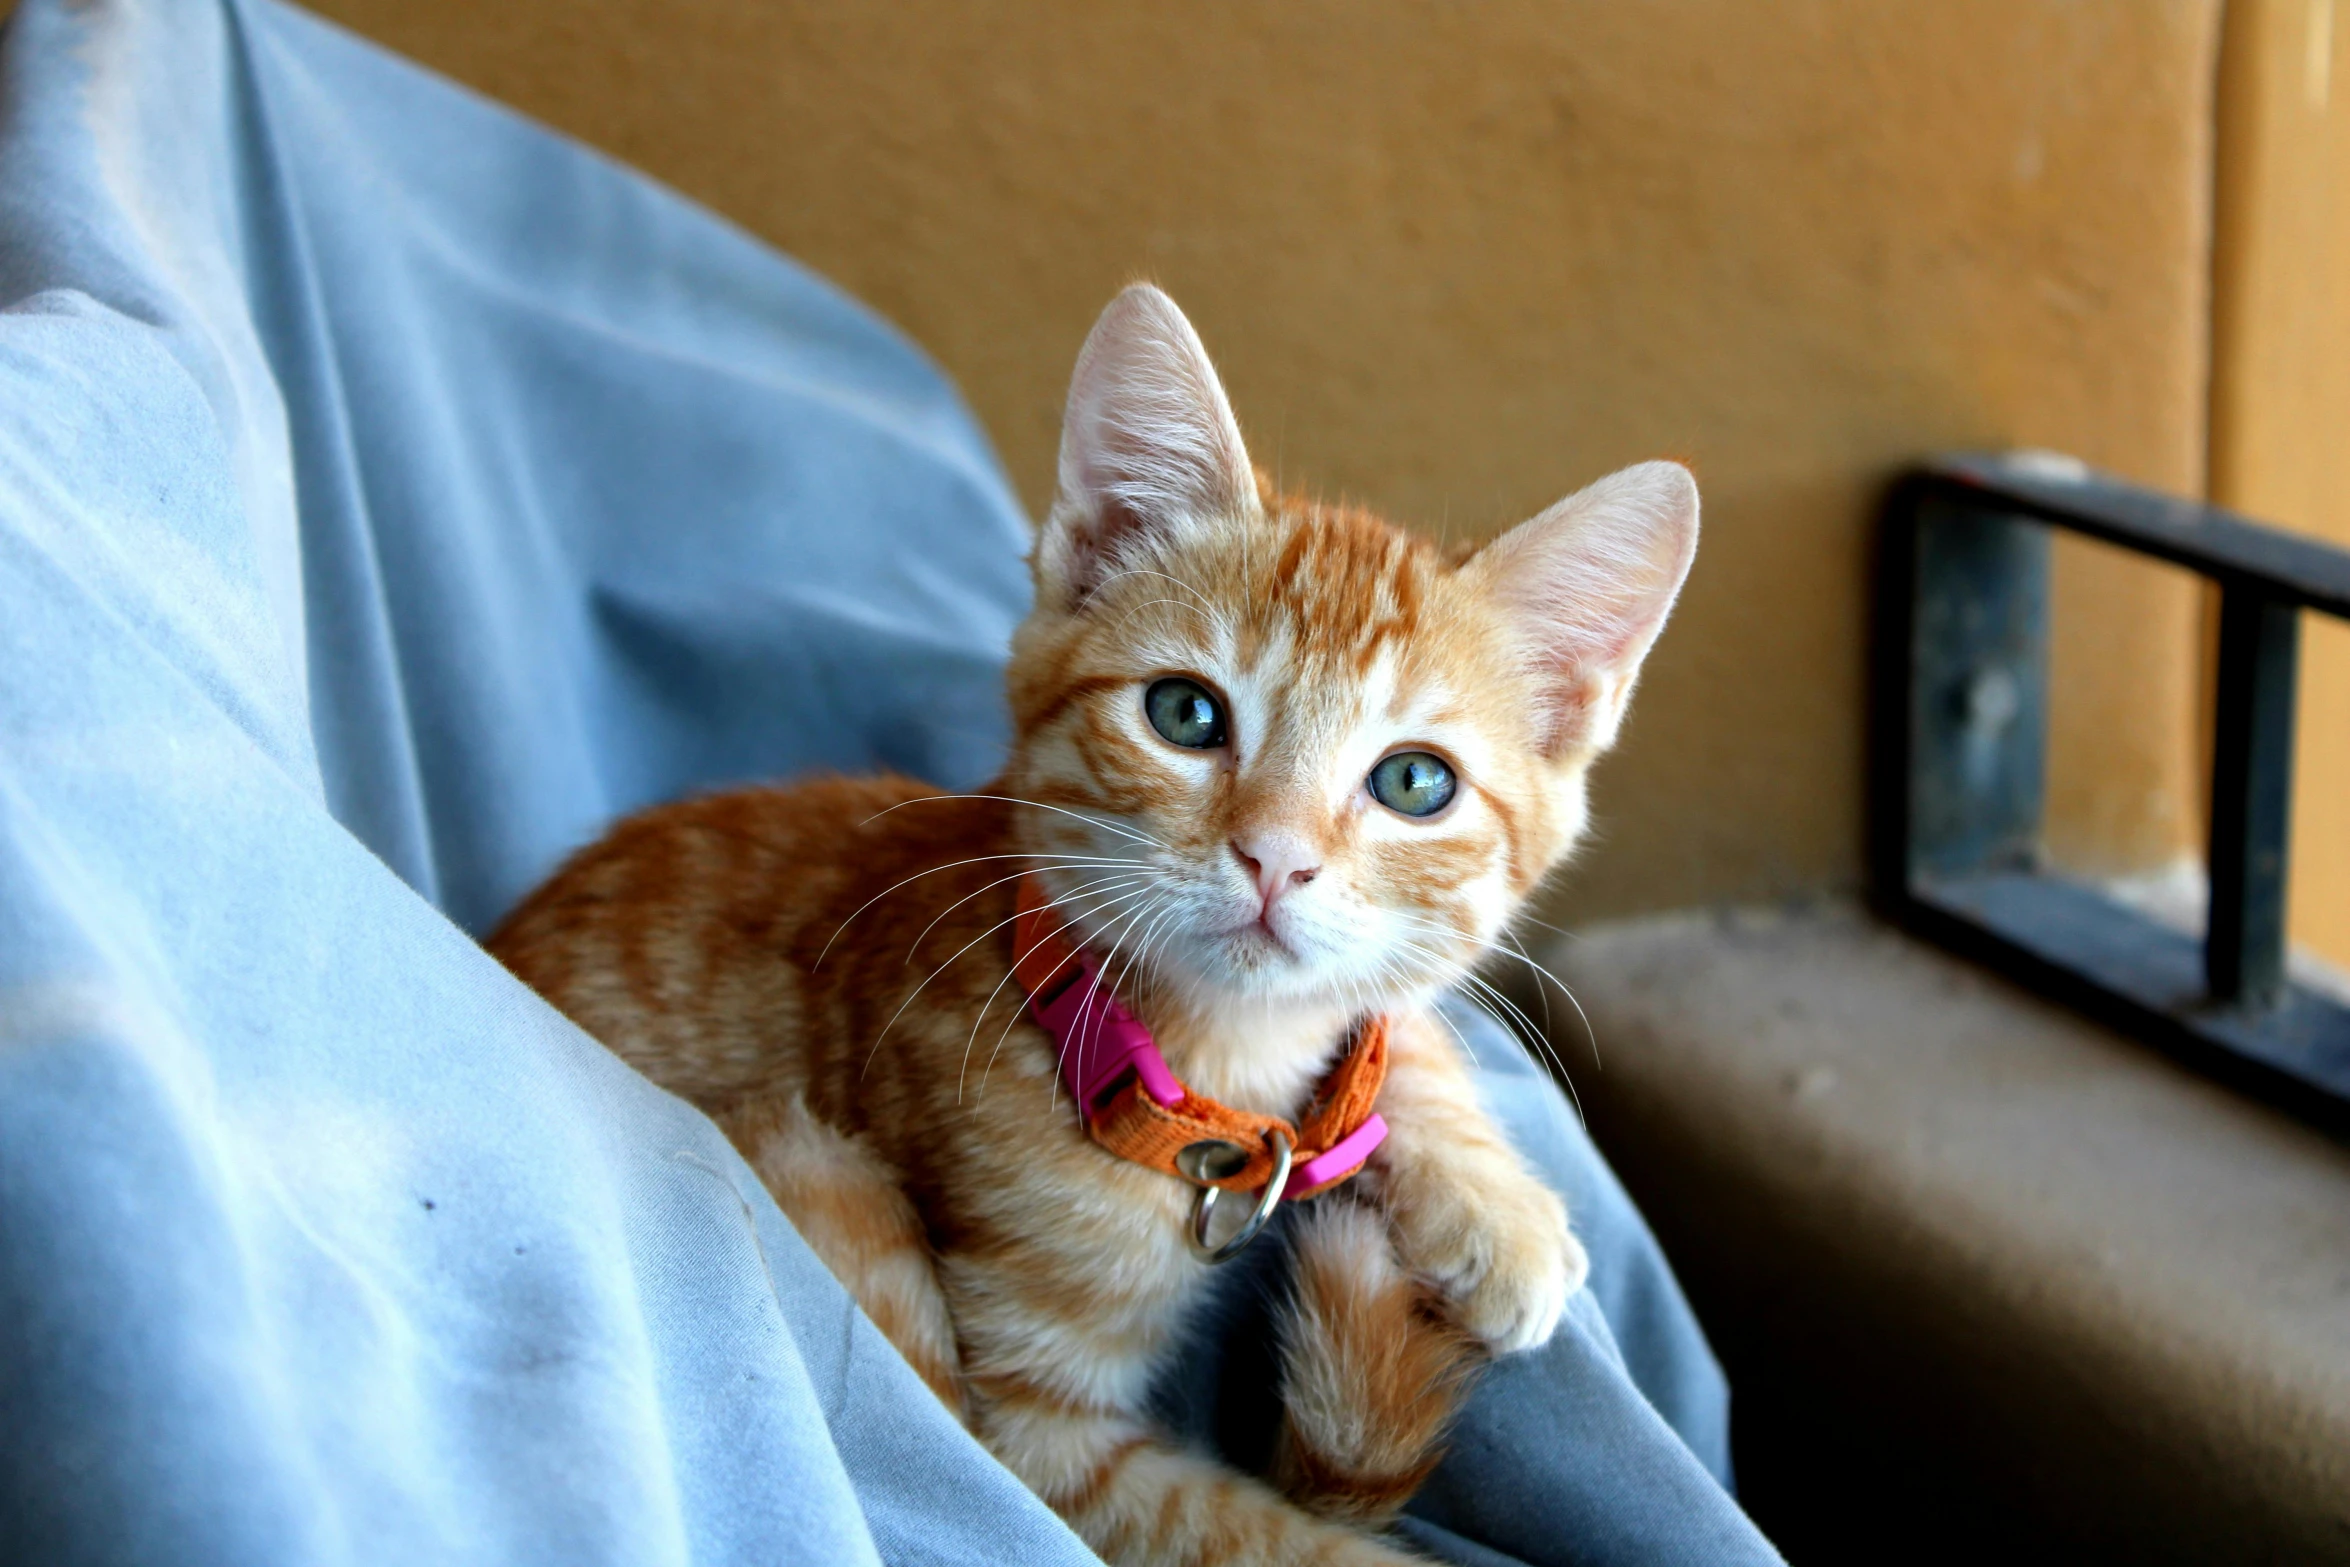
point(2280, 407)
point(1459, 259)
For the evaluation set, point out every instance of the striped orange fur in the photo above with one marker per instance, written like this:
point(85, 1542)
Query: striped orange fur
point(826, 968)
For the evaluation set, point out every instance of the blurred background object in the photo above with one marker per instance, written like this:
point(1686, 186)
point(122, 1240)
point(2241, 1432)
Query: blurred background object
point(2280, 385)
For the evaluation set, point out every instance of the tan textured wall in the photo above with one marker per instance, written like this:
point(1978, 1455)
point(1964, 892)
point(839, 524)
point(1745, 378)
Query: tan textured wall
point(1456, 260)
point(2280, 408)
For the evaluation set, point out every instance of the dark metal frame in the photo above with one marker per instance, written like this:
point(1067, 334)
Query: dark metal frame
point(1958, 745)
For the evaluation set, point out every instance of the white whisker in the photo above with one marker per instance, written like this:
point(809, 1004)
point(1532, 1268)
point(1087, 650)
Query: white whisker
point(1520, 955)
point(1462, 1039)
point(1530, 1040)
point(1208, 606)
point(990, 887)
point(963, 1071)
point(933, 974)
point(1106, 826)
point(1125, 923)
point(1069, 859)
point(1177, 603)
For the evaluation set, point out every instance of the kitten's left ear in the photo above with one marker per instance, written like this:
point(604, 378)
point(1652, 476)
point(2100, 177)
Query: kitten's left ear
point(1588, 584)
point(1148, 446)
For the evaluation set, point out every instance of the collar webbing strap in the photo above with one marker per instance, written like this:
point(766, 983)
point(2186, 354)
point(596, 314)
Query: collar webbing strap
point(1135, 1107)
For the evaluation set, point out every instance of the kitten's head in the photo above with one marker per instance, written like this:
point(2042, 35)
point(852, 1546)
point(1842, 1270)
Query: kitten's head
point(1298, 756)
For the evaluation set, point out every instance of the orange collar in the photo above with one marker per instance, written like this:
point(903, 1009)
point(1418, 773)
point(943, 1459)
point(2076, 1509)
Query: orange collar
point(1134, 1106)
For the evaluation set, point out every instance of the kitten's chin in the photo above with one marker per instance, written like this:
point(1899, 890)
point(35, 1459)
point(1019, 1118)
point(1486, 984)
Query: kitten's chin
point(1258, 948)
point(1252, 968)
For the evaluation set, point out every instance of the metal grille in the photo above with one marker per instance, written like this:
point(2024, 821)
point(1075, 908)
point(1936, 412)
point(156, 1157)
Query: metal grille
point(1958, 752)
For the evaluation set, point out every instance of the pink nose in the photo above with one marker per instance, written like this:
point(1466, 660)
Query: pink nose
point(1279, 862)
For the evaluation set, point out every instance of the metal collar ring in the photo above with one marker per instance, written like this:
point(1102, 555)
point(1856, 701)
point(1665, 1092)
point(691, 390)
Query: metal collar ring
point(1205, 1205)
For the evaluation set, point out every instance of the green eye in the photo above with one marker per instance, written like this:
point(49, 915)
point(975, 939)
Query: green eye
point(1412, 782)
point(1184, 713)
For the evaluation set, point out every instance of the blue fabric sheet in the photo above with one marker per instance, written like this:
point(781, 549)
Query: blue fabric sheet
point(391, 493)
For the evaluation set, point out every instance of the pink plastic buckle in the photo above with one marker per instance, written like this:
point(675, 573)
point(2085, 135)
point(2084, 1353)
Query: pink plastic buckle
point(1107, 1040)
point(1339, 1157)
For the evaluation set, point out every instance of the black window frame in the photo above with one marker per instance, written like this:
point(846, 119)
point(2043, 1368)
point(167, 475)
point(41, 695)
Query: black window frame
point(1958, 745)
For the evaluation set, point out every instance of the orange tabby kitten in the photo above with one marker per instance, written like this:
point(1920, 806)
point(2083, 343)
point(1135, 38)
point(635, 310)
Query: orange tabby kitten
point(1279, 767)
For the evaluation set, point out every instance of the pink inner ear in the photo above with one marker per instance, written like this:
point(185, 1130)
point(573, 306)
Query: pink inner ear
point(1566, 720)
point(1094, 547)
point(1589, 584)
point(1148, 439)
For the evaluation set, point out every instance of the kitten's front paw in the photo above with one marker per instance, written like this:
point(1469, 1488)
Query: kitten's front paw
point(1507, 1262)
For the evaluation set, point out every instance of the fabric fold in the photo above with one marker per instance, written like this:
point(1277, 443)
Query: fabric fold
point(391, 494)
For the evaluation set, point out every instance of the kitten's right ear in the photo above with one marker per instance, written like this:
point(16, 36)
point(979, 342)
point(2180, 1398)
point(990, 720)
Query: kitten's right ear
point(1148, 444)
point(1589, 584)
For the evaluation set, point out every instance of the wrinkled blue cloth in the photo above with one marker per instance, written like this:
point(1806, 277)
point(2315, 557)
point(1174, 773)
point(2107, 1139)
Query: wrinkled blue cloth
point(392, 493)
